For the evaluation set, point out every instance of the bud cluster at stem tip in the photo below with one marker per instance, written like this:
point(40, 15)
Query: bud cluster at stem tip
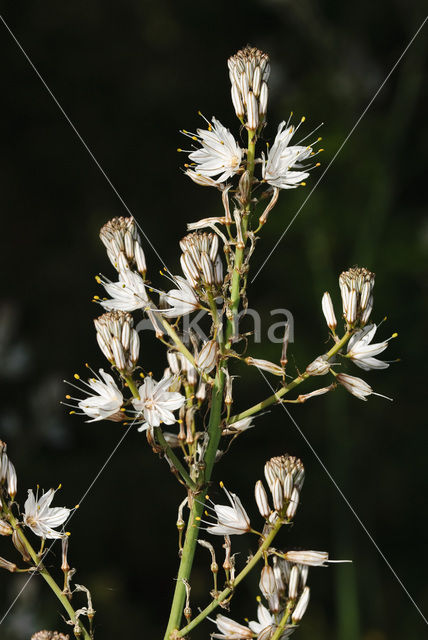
point(249, 71)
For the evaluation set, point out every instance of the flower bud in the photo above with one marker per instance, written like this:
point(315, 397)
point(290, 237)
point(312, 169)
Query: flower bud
point(328, 311)
point(12, 481)
point(249, 71)
point(301, 606)
point(261, 499)
point(356, 286)
point(293, 582)
point(120, 236)
point(278, 495)
point(310, 558)
point(292, 507)
point(118, 340)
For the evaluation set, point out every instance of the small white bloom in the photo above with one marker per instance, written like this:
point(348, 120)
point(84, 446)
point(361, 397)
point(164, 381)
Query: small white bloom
point(328, 311)
point(266, 619)
point(277, 169)
point(361, 351)
point(219, 154)
point(230, 630)
point(128, 294)
point(41, 518)
point(230, 520)
point(156, 403)
point(182, 301)
point(104, 398)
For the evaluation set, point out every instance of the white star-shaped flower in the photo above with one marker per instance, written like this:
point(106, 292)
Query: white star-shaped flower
point(362, 352)
point(156, 404)
point(41, 518)
point(277, 168)
point(104, 399)
point(182, 301)
point(266, 619)
point(219, 154)
point(128, 294)
point(230, 520)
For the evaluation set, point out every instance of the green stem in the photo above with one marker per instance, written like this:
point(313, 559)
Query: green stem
point(197, 508)
point(289, 387)
point(163, 443)
point(182, 348)
point(235, 288)
point(226, 592)
point(41, 569)
point(175, 461)
point(280, 628)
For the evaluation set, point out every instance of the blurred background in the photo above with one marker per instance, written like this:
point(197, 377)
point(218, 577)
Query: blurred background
point(130, 75)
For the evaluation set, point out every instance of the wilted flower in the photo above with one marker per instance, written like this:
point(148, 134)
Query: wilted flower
point(219, 154)
point(354, 385)
point(230, 630)
point(41, 518)
point(265, 365)
point(231, 520)
point(207, 356)
point(319, 367)
point(156, 403)
point(282, 168)
point(361, 351)
point(104, 399)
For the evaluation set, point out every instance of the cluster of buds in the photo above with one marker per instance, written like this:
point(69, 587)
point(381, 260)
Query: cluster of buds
point(200, 260)
point(249, 71)
point(120, 236)
point(118, 340)
point(285, 476)
point(8, 478)
point(356, 286)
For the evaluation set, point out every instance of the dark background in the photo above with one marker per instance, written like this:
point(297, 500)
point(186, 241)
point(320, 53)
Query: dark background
point(130, 75)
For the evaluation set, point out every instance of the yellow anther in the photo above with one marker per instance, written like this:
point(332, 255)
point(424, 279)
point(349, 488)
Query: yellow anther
point(207, 497)
point(76, 375)
point(319, 139)
point(197, 518)
point(67, 397)
point(122, 409)
point(394, 335)
point(71, 413)
point(303, 184)
point(96, 297)
point(194, 138)
point(77, 506)
point(318, 164)
point(303, 119)
point(179, 150)
point(98, 279)
point(142, 375)
point(67, 533)
point(319, 150)
point(221, 484)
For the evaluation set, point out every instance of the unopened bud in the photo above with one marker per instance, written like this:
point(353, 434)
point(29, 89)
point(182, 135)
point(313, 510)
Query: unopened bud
point(293, 582)
point(310, 558)
point(301, 606)
point(265, 365)
point(262, 499)
point(12, 481)
point(292, 507)
point(328, 311)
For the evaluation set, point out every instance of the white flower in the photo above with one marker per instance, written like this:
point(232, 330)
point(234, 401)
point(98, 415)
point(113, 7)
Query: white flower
point(361, 351)
point(230, 520)
point(310, 558)
point(266, 619)
point(182, 301)
point(156, 403)
point(230, 630)
point(277, 168)
point(219, 154)
point(104, 398)
point(128, 294)
point(41, 518)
